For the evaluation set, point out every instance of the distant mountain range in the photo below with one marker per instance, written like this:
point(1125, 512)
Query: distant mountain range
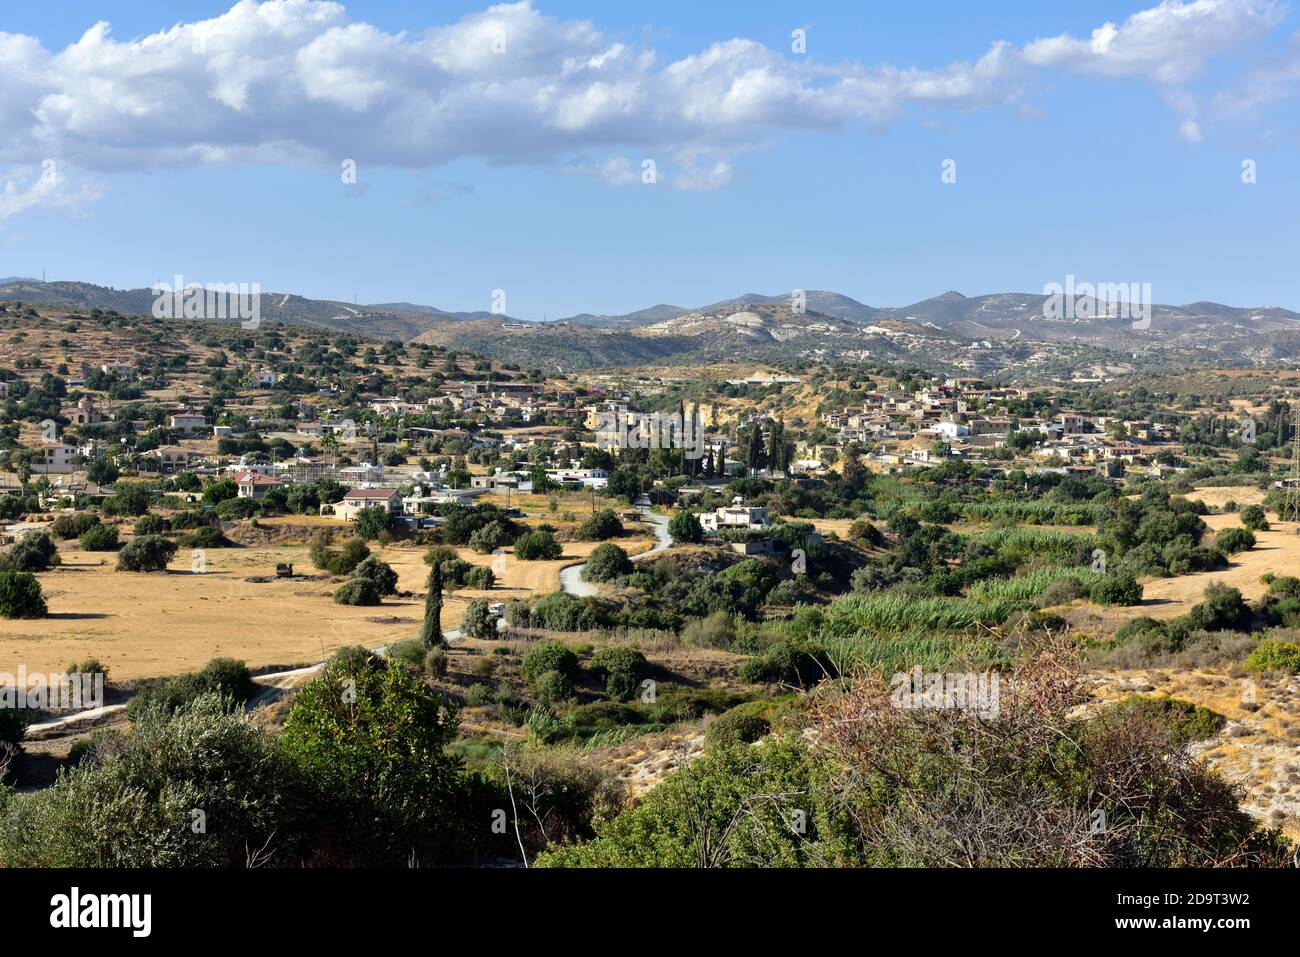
point(814, 324)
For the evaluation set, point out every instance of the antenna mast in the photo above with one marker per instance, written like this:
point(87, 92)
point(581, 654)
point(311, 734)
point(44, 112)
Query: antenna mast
point(1291, 494)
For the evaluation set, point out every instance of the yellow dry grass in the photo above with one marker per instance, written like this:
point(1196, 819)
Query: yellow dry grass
point(145, 625)
point(1277, 550)
point(1219, 496)
point(1257, 746)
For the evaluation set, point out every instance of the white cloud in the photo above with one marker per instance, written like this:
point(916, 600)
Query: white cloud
point(299, 81)
point(46, 188)
point(288, 80)
point(1169, 42)
point(1273, 79)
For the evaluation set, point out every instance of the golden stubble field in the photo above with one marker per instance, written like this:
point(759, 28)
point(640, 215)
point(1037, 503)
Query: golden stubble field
point(146, 625)
point(1277, 550)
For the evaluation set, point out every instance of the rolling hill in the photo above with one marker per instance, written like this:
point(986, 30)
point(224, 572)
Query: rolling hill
point(944, 329)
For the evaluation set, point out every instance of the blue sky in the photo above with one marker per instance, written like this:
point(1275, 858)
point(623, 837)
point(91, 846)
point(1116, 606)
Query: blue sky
point(1116, 158)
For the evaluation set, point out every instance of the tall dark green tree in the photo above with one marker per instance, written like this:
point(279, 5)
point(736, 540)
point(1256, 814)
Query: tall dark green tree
point(755, 453)
point(851, 467)
point(431, 630)
point(780, 450)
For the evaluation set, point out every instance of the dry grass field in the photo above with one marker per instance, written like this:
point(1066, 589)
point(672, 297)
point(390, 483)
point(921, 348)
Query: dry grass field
point(145, 625)
point(1277, 550)
point(1219, 496)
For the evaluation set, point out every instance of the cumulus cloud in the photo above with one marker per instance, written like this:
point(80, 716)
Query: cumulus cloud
point(300, 82)
point(1169, 42)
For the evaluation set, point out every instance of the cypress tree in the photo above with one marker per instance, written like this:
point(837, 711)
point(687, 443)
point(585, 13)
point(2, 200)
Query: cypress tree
point(431, 630)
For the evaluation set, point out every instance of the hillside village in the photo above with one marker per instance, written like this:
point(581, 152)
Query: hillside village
point(187, 503)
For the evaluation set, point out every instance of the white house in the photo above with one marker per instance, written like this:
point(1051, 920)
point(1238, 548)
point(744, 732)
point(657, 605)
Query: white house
point(187, 422)
point(949, 430)
point(737, 515)
point(252, 485)
point(57, 459)
point(588, 478)
point(358, 498)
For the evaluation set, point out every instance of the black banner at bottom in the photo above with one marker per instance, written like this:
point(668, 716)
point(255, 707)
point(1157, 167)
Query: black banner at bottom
point(337, 906)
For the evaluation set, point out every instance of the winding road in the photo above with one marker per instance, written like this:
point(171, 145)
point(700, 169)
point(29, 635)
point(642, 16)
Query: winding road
point(571, 578)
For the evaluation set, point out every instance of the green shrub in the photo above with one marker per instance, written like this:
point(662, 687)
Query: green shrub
point(605, 714)
point(478, 695)
point(786, 663)
point(409, 652)
point(206, 536)
point(1118, 589)
point(226, 677)
point(1286, 586)
point(379, 572)
point(604, 524)
point(99, 538)
point(357, 591)
point(128, 803)
point(35, 552)
point(337, 561)
point(20, 596)
point(1233, 540)
point(488, 538)
point(374, 744)
point(718, 630)
point(478, 621)
point(607, 562)
point(552, 687)
point(371, 522)
point(435, 662)
point(1137, 628)
point(1254, 518)
point(738, 726)
point(685, 528)
point(1222, 608)
point(1273, 655)
point(549, 656)
point(233, 509)
point(623, 668)
point(91, 666)
point(149, 525)
point(1188, 722)
point(150, 553)
point(537, 546)
point(480, 578)
point(753, 671)
point(13, 725)
point(73, 526)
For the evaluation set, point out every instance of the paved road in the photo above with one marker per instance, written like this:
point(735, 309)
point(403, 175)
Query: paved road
point(571, 577)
